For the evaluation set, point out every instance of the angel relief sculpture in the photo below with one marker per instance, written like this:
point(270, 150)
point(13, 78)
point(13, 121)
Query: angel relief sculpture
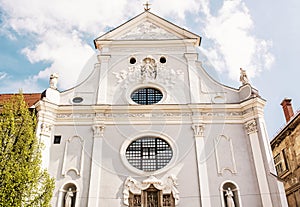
point(148, 70)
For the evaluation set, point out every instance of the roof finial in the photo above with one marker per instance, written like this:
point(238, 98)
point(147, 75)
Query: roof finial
point(147, 8)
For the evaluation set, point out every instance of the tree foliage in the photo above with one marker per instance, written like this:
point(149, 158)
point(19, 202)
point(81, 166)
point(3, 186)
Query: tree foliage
point(22, 181)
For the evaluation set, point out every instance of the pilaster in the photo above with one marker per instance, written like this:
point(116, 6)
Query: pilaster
point(201, 164)
point(193, 77)
point(251, 129)
point(94, 188)
point(103, 79)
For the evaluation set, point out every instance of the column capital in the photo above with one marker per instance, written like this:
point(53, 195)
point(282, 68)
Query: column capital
point(251, 126)
point(198, 130)
point(98, 131)
point(46, 129)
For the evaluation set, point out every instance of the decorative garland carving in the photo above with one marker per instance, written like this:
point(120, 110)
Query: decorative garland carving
point(167, 186)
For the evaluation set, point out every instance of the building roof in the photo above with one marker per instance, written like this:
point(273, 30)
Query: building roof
point(30, 98)
point(286, 129)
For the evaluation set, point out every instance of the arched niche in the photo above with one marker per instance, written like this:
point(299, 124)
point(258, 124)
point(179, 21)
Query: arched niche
point(68, 195)
point(230, 194)
point(73, 155)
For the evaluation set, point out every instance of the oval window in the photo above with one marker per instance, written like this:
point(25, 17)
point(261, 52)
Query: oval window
point(149, 153)
point(146, 96)
point(77, 100)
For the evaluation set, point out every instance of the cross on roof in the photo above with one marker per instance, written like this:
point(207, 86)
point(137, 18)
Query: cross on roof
point(147, 8)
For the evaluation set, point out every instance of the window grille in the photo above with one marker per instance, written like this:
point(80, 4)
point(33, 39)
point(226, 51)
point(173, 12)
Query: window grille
point(146, 96)
point(149, 153)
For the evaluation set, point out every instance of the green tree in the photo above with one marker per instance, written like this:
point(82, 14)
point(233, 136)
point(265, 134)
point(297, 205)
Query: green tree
point(23, 183)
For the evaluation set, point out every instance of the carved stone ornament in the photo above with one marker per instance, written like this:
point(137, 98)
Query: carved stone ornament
point(147, 30)
point(167, 186)
point(46, 129)
point(251, 127)
point(148, 71)
point(198, 130)
point(98, 130)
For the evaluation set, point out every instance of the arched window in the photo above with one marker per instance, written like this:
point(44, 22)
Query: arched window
point(230, 194)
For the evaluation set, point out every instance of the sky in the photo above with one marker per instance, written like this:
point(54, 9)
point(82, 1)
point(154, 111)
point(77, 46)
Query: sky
point(39, 37)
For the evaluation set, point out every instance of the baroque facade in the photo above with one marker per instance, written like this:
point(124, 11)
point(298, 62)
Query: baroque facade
point(286, 151)
point(149, 127)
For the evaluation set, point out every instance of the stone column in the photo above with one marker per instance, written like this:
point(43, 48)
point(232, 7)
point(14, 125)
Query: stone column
point(201, 163)
point(251, 129)
point(96, 162)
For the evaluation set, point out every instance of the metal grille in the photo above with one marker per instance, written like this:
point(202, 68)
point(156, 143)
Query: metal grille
point(146, 96)
point(149, 153)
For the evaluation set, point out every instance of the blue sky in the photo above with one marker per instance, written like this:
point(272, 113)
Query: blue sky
point(38, 38)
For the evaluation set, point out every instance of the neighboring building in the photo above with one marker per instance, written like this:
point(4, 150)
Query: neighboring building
point(29, 98)
point(149, 127)
point(286, 151)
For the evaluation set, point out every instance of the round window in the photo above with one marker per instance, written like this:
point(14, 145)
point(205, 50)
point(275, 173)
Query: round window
point(146, 96)
point(149, 153)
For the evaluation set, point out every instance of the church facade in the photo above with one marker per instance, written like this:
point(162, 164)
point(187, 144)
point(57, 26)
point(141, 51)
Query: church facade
point(148, 127)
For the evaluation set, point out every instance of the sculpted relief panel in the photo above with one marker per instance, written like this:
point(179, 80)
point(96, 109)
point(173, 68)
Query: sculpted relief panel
point(149, 71)
point(147, 30)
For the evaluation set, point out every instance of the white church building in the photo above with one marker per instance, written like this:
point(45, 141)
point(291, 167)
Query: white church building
point(148, 127)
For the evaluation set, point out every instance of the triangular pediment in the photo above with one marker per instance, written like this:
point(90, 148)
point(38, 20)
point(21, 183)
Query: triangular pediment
point(148, 26)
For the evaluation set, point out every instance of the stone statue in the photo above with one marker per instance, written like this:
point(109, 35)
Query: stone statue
point(229, 198)
point(149, 68)
point(53, 81)
point(243, 77)
point(68, 198)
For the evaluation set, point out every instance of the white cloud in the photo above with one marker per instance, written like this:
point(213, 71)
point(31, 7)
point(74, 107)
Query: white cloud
point(3, 75)
point(233, 46)
point(60, 29)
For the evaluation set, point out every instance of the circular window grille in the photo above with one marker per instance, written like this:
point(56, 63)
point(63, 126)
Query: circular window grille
point(146, 96)
point(149, 153)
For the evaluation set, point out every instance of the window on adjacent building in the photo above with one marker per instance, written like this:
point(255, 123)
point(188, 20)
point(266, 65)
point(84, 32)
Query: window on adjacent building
point(280, 161)
point(146, 96)
point(149, 153)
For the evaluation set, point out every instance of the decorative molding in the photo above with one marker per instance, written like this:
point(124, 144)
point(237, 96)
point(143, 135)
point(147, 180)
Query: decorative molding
point(73, 156)
point(167, 186)
point(147, 115)
point(198, 130)
point(147, 30)
point(98, 130)
point(251, 127)
point(46, 129)
point(75, 116)
point(224, 160)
